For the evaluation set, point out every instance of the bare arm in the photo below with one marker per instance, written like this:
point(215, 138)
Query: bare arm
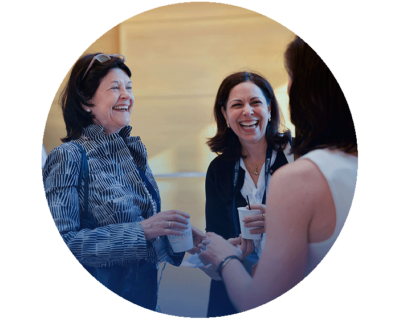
point(283, 261)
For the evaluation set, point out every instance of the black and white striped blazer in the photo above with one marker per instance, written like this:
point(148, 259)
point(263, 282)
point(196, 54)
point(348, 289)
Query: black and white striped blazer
point(118, 198)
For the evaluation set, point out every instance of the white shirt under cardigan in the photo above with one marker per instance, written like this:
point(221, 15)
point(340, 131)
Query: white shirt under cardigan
point(255, 193)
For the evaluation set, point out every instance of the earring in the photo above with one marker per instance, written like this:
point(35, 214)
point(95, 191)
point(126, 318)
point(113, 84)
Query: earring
point(228, 126)
point(270, 117)
point(88, 110)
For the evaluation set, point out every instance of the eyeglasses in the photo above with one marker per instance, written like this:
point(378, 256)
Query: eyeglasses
point(103, 58)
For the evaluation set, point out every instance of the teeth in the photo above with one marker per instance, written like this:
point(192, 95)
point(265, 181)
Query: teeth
point(120, 108)
point(249, 124)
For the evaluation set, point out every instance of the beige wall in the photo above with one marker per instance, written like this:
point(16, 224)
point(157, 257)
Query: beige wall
point(178, 55)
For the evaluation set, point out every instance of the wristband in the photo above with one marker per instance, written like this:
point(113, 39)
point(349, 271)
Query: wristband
point(224, 263)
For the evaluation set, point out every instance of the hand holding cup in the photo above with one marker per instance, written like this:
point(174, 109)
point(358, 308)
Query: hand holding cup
point(171, 222)
point(256, 220)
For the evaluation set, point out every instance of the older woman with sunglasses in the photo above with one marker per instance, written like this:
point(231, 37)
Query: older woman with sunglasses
point(100, 188)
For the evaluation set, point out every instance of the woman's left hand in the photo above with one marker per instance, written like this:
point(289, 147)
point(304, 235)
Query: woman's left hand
point(217, 250)
point(200, 241)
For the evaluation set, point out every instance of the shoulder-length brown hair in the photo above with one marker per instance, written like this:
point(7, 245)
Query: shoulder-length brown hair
point(318, 106)
point(226, 143)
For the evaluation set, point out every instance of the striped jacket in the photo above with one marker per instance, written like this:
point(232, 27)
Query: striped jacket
point(118, 199)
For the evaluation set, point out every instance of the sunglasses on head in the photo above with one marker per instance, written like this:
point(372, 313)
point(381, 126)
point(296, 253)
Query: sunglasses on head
point(103, 58)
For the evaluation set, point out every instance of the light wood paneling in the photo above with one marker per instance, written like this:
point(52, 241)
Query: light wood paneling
point(179, 55)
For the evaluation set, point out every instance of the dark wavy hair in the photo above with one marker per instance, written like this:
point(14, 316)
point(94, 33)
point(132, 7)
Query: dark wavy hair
point(226, 143)
point(318, 106)
point(79, 91)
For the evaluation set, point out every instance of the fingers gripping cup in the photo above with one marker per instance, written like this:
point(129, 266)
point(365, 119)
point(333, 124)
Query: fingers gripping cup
point(243, 212)
point(183, 242)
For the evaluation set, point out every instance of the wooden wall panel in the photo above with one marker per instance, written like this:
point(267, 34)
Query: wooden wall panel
point(179, 54)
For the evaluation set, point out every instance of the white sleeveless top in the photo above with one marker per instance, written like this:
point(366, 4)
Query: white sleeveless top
point(340, 171)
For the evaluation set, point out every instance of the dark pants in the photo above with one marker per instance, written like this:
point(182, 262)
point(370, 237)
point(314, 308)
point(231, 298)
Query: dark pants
point(219, 302)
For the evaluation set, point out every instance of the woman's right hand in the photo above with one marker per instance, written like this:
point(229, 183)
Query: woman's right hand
point(163, 223)
point(256, 220)
point(246, 245)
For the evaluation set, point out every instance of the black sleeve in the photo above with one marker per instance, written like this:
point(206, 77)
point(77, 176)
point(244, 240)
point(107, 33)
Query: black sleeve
point(216, 211)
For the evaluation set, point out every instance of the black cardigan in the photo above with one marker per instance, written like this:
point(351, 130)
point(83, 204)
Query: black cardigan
point(219, 194)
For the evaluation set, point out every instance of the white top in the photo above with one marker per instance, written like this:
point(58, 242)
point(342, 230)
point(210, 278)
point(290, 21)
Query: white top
point(255, 194)
point(340, 171)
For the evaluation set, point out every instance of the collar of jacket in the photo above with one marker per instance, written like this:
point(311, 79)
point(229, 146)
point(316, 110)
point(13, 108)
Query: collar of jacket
point(94, 131)
point(97, 143)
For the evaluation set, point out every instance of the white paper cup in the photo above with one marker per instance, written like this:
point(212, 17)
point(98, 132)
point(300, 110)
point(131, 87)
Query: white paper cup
point(243, 212)
point(184, 242)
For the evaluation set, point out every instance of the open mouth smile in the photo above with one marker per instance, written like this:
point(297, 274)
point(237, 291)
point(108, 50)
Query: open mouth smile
point(249, 124)
point(121, 108)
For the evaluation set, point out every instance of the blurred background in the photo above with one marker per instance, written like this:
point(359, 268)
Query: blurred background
point(179, 54)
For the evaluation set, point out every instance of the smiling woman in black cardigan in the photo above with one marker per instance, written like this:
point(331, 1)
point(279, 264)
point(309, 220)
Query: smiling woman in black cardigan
point(250, 148)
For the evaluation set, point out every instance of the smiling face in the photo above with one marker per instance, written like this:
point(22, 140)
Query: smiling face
point(113, 101)
point(247, 113)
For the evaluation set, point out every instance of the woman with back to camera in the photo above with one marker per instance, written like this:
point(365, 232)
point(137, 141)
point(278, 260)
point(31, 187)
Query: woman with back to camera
point(250, 148)
point(301, 227)
point(109, 212)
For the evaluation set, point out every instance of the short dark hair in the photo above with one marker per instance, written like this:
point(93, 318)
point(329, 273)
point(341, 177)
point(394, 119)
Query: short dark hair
point(318, 106)
point(226, 143)
point(79, 91)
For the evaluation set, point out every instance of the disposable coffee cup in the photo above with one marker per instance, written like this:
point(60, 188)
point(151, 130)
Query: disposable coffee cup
point(243, 212)
point(183, 242)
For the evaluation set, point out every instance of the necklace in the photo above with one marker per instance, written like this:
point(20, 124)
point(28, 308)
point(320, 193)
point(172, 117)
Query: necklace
point(255, 172)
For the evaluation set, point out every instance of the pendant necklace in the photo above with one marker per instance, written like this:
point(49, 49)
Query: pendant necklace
point(255, 172)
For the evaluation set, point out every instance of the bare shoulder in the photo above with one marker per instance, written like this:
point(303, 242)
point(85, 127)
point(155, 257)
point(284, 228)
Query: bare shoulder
point(301, 172)
point(296, 185)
